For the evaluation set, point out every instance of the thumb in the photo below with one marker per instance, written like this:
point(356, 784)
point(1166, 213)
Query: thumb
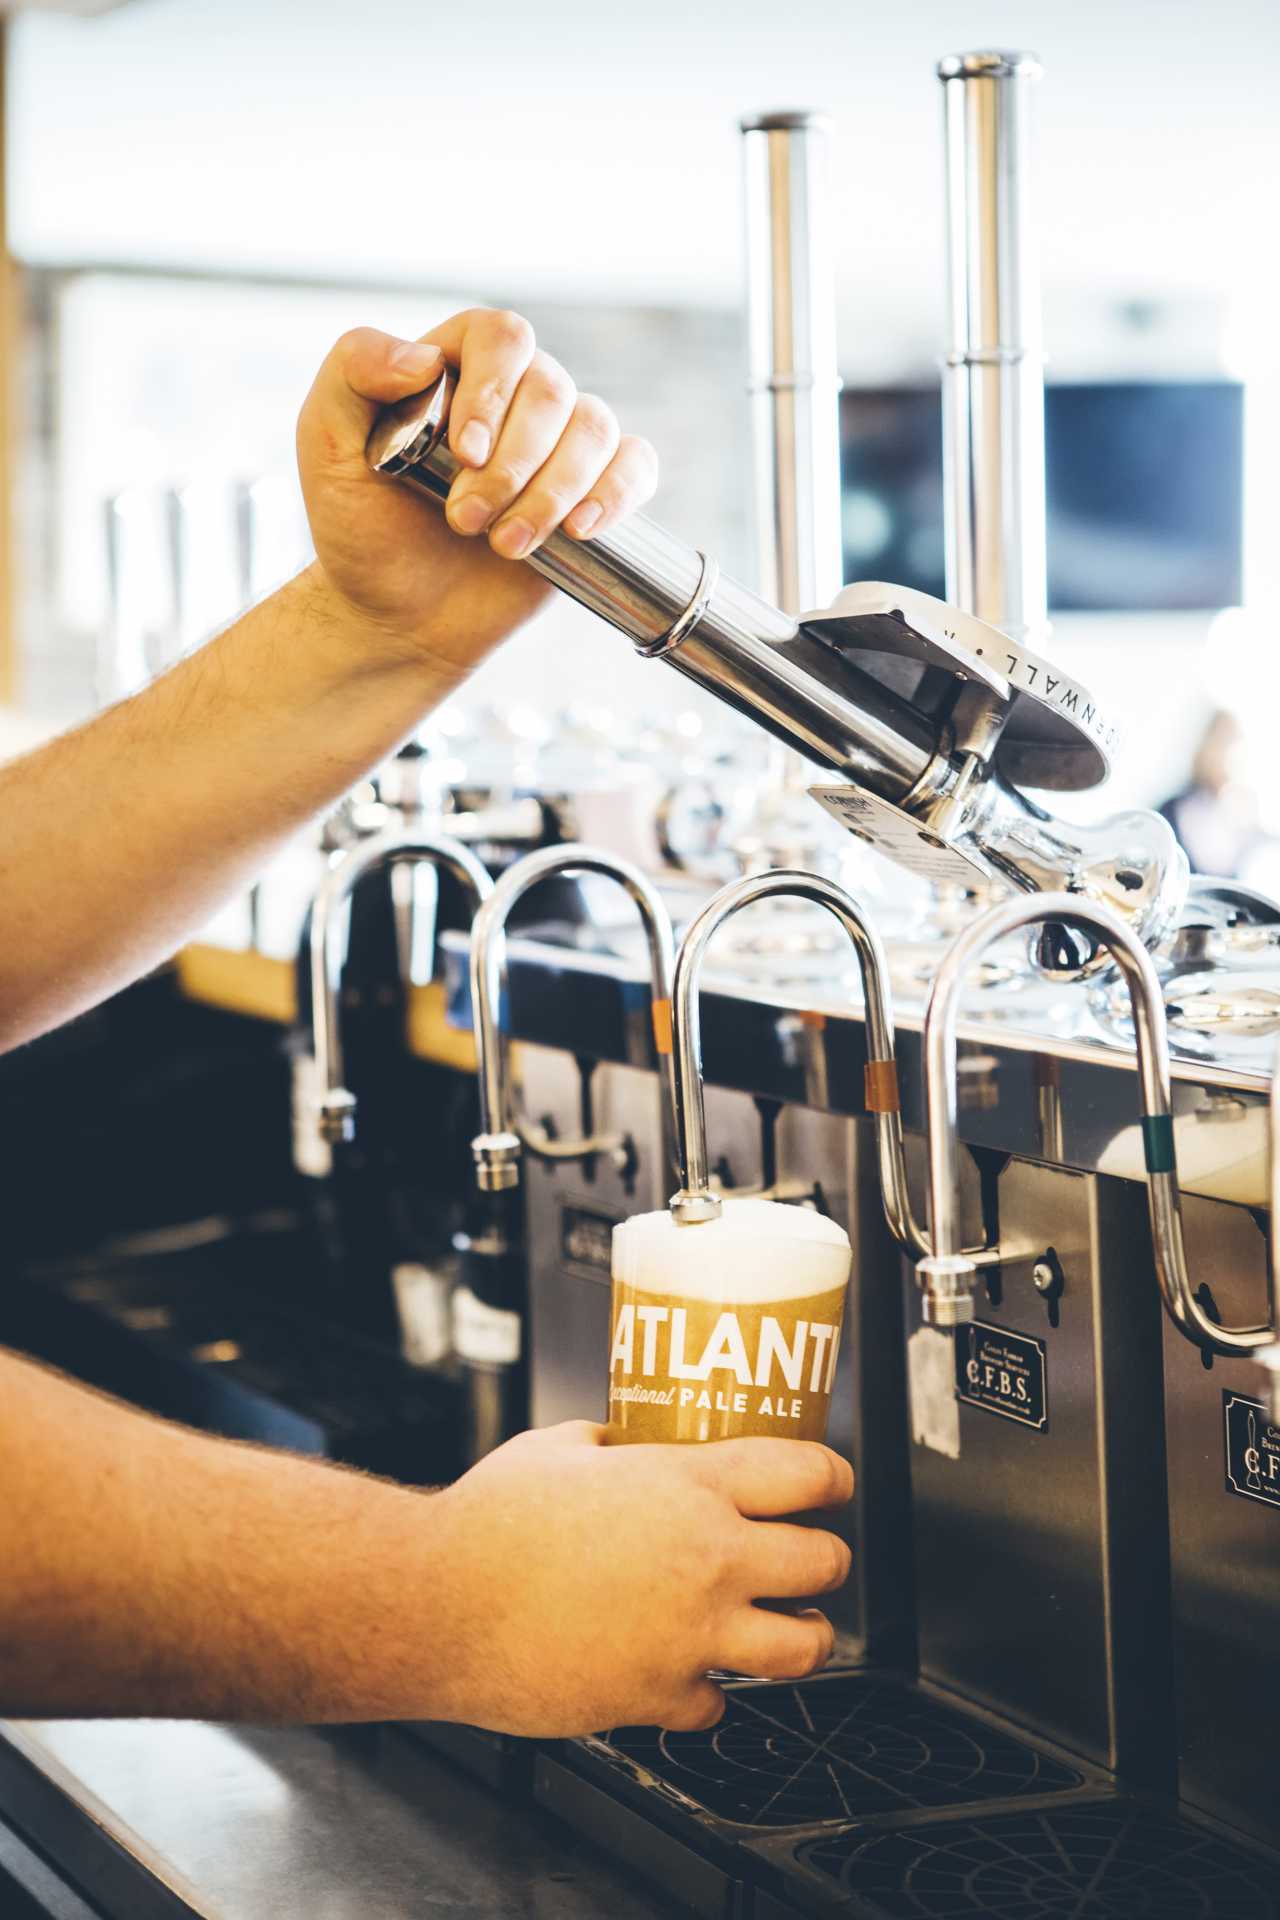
point(363, 372)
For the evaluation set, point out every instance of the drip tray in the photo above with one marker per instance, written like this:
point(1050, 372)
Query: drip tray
point(845, 1747)
point(863, 1745)
point(1111, 1860)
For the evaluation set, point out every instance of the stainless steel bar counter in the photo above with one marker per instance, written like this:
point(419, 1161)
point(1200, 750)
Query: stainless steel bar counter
point(154, 1819)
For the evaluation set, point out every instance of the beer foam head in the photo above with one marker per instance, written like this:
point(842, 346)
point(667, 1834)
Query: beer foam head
point(755, 1252)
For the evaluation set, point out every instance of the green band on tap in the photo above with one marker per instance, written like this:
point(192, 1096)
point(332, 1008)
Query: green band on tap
point(1157, 1142)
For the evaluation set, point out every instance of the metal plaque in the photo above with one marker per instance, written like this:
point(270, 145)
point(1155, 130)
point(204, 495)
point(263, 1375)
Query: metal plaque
point(586, 1238)
point(1004, 1373)
point(1252, 1450)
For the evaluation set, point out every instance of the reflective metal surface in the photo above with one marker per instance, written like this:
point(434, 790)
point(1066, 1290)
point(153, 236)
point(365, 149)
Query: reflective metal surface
point(793, 374)
point(993, 373)
point(397, 845)
point(158, 1819)
point(497, 1147)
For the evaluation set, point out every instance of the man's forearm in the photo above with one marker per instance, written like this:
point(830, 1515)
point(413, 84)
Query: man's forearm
point(151, 1570)
point(120, 838)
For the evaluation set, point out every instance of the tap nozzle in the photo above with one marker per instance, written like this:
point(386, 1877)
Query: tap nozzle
point(497, 1161)
point(336, 1115)
point(946, 1289)
point(696, 1201)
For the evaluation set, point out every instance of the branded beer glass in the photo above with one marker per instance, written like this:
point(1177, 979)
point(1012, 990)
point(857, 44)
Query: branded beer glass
point(728, 1327)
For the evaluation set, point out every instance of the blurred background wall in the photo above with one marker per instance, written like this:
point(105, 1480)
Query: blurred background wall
point(204, 193)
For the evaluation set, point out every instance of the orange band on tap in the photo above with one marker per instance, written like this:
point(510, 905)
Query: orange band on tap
point(815, 1021)
point(661, 1010)
point(882, 1086)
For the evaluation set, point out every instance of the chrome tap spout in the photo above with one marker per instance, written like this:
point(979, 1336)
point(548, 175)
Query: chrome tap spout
point(946, 1274)
point(696, 1199)
point(497, 1148)
point(393, 846)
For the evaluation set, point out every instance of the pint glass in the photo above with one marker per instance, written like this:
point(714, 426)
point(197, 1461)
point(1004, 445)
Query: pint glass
point(728, 1327)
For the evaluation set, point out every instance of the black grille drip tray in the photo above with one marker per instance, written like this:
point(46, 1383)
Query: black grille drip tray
point(841, 1747)
point(1112, 1859)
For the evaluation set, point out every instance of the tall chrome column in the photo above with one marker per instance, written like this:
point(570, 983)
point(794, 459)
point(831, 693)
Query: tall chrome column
point(993, 378)
point(793, 376)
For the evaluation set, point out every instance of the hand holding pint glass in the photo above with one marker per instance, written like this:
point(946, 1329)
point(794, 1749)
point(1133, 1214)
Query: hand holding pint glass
point(726, 1328)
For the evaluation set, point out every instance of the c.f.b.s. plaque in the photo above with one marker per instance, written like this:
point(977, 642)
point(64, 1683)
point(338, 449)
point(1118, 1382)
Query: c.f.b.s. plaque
point(1252, 1450)
point(1003, 1373)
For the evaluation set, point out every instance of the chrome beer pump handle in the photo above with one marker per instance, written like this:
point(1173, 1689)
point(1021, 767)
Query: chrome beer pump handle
point(843, 687)
point(946, 1274)
point(392, 847)
point(696, 1201)
point(497, 1148)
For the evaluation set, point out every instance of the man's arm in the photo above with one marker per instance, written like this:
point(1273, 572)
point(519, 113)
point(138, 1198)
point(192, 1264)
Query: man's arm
point(122, 837)
point(559, 1587)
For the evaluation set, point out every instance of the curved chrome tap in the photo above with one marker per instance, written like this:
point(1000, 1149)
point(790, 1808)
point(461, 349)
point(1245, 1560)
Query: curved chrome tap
point(696, 1201)
point(946, 1273)
point(498, 1146)
point(336, 1102)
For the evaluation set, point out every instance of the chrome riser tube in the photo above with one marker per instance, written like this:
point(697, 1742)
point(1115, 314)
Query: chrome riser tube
point(793, 373)
point(993, 374)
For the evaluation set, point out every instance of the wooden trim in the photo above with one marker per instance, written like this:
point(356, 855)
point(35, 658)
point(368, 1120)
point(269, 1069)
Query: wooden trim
point(241, 981)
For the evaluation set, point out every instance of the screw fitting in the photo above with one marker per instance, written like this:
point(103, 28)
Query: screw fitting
point(336, 1115)
point(946, 1288)
point(497, 1160)
point(692, 1209)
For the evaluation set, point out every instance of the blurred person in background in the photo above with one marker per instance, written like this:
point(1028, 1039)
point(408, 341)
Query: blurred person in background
point(1216, 815)
point(561, 1585)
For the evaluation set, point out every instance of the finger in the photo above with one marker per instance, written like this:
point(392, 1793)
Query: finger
point(363, 372)
point(627, 482)
point(702, 1706)
point(787, 1563)
point(778, 1646)
point(764, 1477)
point(581, 455)
point(492, 350)
point(538, 415)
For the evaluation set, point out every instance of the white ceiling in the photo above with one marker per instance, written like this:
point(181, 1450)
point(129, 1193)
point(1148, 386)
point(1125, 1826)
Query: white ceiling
point(569, 148)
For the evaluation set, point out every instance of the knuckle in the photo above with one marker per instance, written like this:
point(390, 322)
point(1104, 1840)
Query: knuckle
point(547, 382)
point(354, 342)
point(695, 1713)
point(510, 330)
point(826, 1470)
point(833, 1559)
point(595, 420)
point(641, 456)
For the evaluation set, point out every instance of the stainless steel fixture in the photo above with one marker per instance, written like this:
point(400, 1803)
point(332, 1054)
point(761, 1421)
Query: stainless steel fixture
point(396, 846)
point(993, 371)
point(503, 1136)
point(946, 1273)
point(697, 1199)
point(830, 687)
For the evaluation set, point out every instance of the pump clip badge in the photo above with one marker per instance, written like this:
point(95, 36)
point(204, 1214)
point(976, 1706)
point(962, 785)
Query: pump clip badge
point(1003, 1373)
point(1252, 1450)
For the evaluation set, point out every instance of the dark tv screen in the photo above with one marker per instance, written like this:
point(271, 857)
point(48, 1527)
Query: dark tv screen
point(1144, 486)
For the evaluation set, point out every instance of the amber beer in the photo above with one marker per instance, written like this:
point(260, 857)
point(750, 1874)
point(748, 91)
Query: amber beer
point(729, 1327)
